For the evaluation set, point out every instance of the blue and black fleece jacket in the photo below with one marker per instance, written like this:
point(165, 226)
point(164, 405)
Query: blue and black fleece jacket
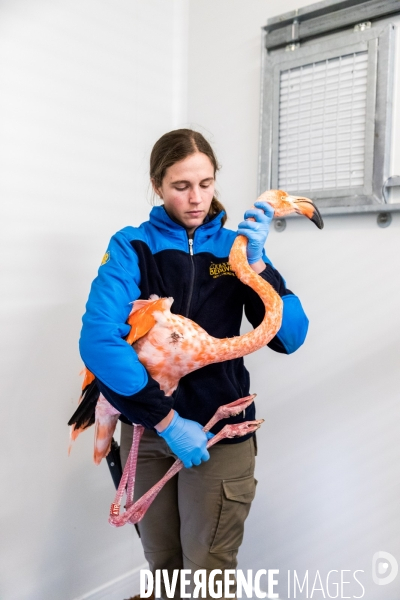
point(157, 258)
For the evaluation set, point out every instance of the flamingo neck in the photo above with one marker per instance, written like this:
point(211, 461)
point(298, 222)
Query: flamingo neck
point(236, 347)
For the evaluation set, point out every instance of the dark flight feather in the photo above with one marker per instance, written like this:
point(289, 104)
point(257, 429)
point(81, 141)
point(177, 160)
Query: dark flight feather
point(84, 415)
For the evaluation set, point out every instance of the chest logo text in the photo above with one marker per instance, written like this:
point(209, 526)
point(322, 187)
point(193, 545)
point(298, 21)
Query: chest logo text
point(218, 269)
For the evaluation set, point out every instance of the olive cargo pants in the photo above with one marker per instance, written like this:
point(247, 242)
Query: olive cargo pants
point(197, 520)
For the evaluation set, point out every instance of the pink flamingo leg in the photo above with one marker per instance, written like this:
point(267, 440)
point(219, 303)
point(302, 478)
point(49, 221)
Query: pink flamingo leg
point(129, 474)
point(135, 512)
point(133, 454)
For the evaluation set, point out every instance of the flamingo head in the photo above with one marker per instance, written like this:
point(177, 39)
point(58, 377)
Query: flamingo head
point(284, 204)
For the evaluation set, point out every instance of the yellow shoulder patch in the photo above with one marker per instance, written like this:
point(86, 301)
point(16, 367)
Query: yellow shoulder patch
point(106, 258)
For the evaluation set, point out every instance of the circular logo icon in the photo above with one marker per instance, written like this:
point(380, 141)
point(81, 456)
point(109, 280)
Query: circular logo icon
point(384, 568)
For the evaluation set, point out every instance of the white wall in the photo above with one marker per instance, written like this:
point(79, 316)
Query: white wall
point(328, 466)
point(85, 90)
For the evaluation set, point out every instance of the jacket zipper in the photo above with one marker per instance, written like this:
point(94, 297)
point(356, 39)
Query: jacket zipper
point(190, 242)
point(193, 273)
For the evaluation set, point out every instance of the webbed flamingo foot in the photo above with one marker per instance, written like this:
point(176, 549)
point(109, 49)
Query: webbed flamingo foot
point(230, 410)
point(236, 430)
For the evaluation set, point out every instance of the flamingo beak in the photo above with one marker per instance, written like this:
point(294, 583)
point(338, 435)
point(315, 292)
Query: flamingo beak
point(305, 206)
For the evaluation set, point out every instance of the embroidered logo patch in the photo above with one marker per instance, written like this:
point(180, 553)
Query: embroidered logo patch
point(218, 269)
point(106, 258)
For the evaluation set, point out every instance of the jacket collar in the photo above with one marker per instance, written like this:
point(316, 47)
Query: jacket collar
point(160, 219)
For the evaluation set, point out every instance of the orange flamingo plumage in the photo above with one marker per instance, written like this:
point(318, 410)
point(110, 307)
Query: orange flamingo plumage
point(171, 346)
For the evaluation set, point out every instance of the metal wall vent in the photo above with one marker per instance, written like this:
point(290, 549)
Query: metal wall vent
point(322, 121)
point(326, 104)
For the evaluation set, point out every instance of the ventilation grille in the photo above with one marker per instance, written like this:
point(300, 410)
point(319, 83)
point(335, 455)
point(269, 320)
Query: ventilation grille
point(322, 115)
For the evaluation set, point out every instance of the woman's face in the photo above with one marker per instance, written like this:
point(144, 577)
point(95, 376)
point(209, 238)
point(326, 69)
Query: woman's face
point(187, 190)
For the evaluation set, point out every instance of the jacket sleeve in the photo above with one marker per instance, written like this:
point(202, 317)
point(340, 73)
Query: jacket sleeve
point(121, 377)
point(294, 326)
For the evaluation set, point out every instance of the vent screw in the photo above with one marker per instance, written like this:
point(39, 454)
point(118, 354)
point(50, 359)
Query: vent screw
point(362, 26)
point(280, 225)
point(384, 219)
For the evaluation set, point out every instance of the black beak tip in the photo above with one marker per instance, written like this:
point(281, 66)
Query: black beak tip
point(317, 219)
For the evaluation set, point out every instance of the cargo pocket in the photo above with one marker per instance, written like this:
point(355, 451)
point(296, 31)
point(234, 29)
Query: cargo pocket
point(237, 496)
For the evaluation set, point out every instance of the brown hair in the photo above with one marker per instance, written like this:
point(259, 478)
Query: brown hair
point(175, 146)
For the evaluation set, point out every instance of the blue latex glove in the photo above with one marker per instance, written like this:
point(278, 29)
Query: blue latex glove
point(256, 231)
point(187, 440)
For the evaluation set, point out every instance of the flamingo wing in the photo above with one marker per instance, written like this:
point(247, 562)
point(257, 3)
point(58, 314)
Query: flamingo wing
point(141, 318)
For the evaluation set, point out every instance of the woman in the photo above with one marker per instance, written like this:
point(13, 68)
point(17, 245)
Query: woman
point(196, 522)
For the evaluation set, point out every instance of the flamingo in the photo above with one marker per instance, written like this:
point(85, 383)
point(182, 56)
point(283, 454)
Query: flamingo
point(171, 346)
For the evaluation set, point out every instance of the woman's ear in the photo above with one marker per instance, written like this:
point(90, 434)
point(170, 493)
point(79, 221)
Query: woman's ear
point(156, 190)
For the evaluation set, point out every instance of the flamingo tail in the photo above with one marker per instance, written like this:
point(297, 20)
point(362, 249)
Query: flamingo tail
point(84, 416)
